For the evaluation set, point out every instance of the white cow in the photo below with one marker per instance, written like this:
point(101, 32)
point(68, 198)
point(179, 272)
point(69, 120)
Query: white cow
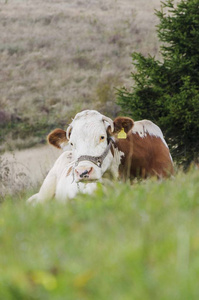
point(60, 183)
point(66, 178)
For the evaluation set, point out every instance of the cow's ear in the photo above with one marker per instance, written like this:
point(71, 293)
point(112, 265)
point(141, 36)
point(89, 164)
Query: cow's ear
point(57, 138)
point(122, 124)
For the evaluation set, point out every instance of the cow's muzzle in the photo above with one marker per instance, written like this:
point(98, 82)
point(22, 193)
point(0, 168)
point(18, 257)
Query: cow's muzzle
point(83, 172)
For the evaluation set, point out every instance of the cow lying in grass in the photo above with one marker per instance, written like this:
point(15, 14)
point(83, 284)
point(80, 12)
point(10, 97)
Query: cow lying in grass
point(125, 148)
point(60, 184)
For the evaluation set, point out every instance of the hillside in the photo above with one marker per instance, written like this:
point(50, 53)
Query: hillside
point(58, 57)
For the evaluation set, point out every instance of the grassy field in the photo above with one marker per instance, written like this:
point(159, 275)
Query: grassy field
point(124, 242)
point(58, 57)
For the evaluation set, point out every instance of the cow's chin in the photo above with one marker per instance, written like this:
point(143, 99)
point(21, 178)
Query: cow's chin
point(87, 171)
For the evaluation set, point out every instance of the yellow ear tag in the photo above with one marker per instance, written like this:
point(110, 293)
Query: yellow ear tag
point(122, 134)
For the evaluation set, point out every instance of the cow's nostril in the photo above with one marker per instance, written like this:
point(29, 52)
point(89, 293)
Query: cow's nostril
point(84, 174)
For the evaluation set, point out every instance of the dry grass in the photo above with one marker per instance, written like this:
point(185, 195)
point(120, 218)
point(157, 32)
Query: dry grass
point(23, 170)
point(57, 57)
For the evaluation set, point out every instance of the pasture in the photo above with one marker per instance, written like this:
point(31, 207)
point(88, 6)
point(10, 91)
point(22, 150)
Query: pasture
point(123, 242)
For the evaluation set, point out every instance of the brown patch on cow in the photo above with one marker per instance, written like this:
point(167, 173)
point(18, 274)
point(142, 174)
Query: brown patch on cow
point(57, 137)
point(144, 157)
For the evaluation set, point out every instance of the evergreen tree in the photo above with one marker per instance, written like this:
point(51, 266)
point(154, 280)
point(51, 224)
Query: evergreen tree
point(167, 91)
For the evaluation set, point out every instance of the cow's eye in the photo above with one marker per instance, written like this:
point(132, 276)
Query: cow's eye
point(102, 138)
point(71, 144)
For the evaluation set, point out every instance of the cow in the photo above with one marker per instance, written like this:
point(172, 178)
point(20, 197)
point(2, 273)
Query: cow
point(124, 148)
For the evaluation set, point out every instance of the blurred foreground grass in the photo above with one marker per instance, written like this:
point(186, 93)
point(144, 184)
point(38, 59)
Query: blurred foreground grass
point(125, 242)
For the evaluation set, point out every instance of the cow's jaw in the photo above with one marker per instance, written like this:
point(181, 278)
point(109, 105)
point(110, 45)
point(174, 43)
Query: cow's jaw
point(84, 171)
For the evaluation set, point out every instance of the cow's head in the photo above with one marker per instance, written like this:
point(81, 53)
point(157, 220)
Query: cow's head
point(90, 137)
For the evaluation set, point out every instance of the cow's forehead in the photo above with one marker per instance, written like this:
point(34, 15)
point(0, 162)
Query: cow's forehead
point(86, 119)
point(88, 123)
point(87, 114)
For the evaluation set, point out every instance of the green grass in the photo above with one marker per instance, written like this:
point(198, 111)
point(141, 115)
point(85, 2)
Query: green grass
point(124, 242)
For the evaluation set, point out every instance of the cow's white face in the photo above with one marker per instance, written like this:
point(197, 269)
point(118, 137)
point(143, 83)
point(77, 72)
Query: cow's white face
point(87, 135)
point(88, 138)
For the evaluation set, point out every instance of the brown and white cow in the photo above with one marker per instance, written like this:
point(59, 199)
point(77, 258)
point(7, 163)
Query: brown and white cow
point(145, 150)
point(125, 148)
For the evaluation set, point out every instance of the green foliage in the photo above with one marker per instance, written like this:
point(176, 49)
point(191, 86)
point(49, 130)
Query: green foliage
point(167, 92)
point(137, 242)
point(25, 128)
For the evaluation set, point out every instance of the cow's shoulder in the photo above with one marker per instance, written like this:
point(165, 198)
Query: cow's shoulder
point(63, 160)
point(146, 128)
